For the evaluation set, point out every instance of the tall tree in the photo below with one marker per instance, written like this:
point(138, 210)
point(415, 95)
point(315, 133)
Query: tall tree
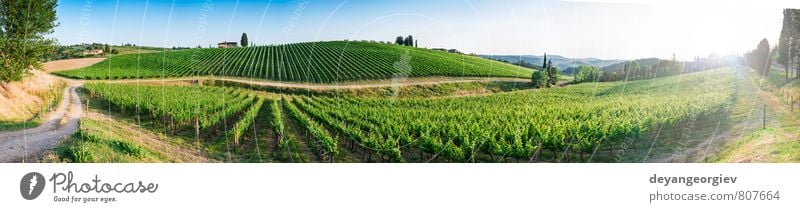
point(794, 41)
point(23, 25)
point(552, 73)
point(787, 39)
point(399, 40)
point(409, 41)
point(549, 71)
point(544, 62)
point(244, 40)
point(759, 59)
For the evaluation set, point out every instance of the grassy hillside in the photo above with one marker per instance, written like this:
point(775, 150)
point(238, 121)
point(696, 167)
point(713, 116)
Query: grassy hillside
point(316, 62)
point(26, 103)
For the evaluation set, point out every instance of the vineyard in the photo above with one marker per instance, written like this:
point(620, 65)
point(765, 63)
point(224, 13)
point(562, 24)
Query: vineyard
point(520, 125)
point(178, 105)
point(314, 62)
point(579, 119)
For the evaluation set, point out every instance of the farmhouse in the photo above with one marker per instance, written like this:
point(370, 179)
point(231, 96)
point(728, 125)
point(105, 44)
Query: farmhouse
point(227, 45)
point(91, 52)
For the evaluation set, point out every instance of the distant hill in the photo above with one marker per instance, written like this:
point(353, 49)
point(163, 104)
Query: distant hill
point(561, 62)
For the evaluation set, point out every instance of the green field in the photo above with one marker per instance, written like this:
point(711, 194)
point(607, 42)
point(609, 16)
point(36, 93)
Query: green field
point(314, 62)
point(579, 119)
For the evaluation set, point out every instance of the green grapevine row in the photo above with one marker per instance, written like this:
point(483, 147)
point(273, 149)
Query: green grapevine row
point(324, 142)
point(245, 121)
point(277, 121)
point(187, 105)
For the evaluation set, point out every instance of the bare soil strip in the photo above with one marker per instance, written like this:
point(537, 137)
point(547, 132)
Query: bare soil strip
point(358, 85)
point(63, 65)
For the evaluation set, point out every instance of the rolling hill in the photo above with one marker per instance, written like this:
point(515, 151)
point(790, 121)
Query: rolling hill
point(312, 62)
point(561, 62)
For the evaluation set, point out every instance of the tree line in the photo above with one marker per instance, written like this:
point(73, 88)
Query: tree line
point(786, 53)
point(633, 70)
point(548, 75)
point(788, 49)
point(406, 41)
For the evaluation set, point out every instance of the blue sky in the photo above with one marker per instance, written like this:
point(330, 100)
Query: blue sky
point(573, 29)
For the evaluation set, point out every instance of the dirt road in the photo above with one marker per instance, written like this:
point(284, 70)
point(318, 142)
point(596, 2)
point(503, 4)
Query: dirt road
point(28, 145)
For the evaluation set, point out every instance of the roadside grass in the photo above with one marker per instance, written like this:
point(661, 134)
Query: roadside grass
point(98, 142)
point(787, 151)
point(52, 98)
point(775, 143)
point(762, 145)
point(779, 140)
point(775, 82)
point(775, 78)
point(11, 126)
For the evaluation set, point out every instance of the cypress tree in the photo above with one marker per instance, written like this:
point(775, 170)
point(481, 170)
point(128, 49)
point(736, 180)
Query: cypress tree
point(244, 40)
point(550, 74)
point(787, 35)
point(544, 62)
point(409, 41)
